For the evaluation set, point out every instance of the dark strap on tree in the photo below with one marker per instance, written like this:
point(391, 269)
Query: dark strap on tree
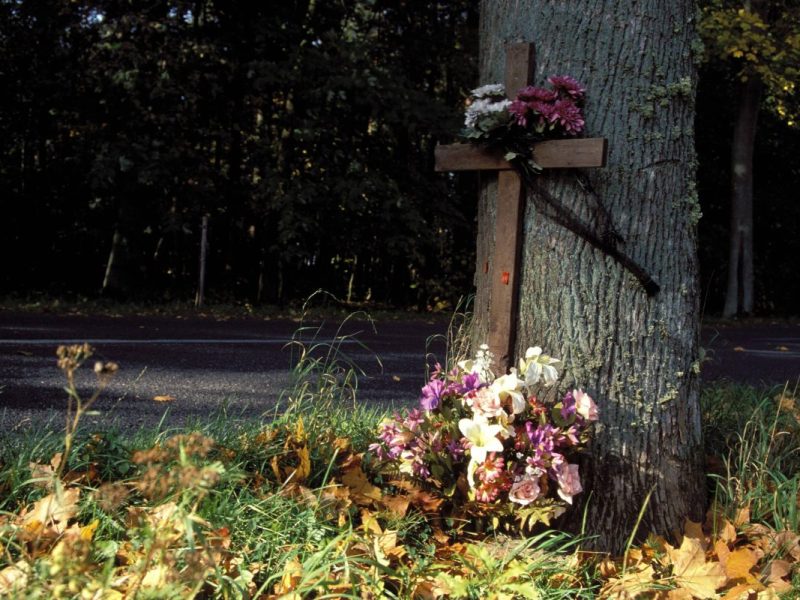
point(606, 240)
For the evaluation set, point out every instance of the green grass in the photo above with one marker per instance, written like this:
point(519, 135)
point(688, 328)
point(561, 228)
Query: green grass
point(243, 526)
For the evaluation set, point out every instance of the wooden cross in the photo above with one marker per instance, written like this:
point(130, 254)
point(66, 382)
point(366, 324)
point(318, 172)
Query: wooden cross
point(556, 154)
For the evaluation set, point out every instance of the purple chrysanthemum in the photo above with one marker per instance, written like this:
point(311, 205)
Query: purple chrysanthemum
point(567, 85)
point(519, 109)
point(536, 93)
point(568, 115)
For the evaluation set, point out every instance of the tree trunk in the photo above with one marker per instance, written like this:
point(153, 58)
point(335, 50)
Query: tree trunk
point(739, 294)
point(636, 355)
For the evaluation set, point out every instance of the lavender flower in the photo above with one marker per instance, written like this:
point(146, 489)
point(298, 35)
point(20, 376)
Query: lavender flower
point(432, 394)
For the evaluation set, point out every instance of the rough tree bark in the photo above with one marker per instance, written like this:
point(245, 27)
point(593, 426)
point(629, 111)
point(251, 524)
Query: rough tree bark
point(739, 293)
point(638, 356)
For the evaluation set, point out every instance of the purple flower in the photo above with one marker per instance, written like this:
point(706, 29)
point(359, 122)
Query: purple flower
point(568, 406)
point(519, 109)
point(568, 115)
point(469, 383)
point(567, 85)
point(413, 419)
point(542, 437)
point(377, 449)
point(455, 449)
point(432, 394)
point(536, 93)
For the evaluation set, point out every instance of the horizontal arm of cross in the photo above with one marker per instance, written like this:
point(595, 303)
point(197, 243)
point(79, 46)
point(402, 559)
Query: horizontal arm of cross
point(551, 154)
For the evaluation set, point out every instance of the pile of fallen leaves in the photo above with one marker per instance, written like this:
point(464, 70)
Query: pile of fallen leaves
point(736, 560)
point(392, 539)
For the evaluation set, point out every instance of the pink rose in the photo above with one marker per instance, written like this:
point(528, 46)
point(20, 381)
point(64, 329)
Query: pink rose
point(584, 405)
point(485, 403)
point(525, 491)
point(569, 482)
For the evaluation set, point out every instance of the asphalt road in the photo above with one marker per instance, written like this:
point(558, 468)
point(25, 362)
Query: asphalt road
point(245, 364)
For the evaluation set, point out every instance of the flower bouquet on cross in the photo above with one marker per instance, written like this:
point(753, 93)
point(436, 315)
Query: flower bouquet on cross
point(536, 114)
point(492, 446)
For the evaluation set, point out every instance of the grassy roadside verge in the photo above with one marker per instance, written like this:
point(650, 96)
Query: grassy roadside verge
point(295, 508)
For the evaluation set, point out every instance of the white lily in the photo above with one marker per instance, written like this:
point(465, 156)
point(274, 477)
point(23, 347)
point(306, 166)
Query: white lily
point(537, 367)
point(509, 386)
point(483, 437)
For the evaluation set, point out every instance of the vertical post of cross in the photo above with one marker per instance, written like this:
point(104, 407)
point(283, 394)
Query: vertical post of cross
point(504, 265)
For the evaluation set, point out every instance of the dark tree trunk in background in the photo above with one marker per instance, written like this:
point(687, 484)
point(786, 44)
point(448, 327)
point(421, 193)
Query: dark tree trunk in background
point(636, 355)
point(739, 294)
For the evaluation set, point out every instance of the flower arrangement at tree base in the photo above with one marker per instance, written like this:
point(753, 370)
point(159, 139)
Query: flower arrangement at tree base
point(489, 446)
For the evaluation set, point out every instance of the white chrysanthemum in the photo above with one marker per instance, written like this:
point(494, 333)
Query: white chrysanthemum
point(482, 107)
point(490, 90)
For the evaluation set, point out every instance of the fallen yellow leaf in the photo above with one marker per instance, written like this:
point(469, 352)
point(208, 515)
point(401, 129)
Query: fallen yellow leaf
point(165, 398)
point(739, 564)
point(743, 591)
point(87, 532)
point(692, 572)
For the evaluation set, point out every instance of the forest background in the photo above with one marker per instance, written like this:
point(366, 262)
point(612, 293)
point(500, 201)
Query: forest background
point(304, 131)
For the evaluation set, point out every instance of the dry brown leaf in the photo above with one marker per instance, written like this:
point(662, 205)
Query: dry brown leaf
point(292, 575)
point(632, 584)
point(14, 578)
point(427, 590)
point(787, 543)
point(156, 577)
point(739, 564)
point(680, 594)
point(164, 398)
point(397, 505)
point(692, 572)
point(738, 349)
point(369, 522)
point(728, 532)
point(775, 573)
point(46, 473)
point(362, 491)
point(742, 517)
point(743, 591)
point(608, 568)
point(695, 531)
point(52, 512)
point(782, 348)
point(722, 551)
